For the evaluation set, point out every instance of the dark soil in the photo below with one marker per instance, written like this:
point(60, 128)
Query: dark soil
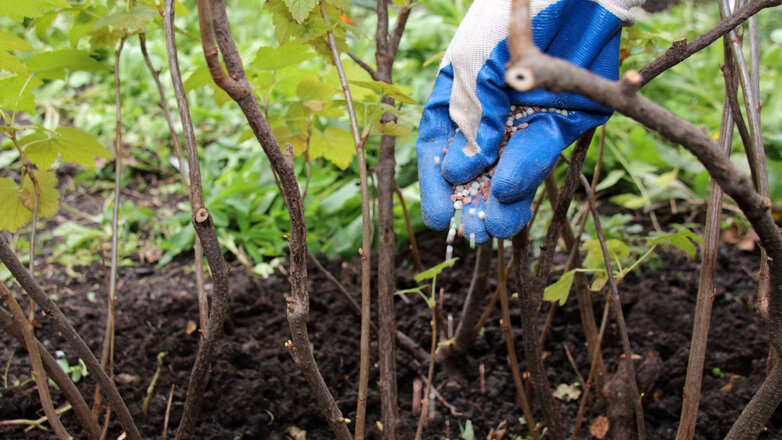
point(257, 392)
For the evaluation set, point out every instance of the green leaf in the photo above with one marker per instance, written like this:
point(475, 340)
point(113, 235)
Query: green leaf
point(15, 215)
point(83, 23)
point(134, 20)
point(19, 9)
point(385, 89)
point(315, 93)
point(333, 144)
point(71, 143)
point(47, 184)
point(11, 42)
point(300, 9)
point(16, 93)
point(51, 65)
point(43, 24)
point(11, 64)
point(665, 179)
point(432, 272)
point(275, 58)
point(560, 290)
point(683, 239)
point(617, 249)
point(610, 180)
point(392, 129)
point(629, 201)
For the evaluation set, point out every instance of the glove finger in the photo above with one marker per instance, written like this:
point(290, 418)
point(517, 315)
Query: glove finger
point(480, 112)
point(532, 152)
point(474, 219)
point(434, 132)
point(504, 220)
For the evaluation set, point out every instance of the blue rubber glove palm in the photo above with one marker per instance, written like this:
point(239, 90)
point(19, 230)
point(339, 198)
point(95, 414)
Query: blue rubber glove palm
point(468, 114)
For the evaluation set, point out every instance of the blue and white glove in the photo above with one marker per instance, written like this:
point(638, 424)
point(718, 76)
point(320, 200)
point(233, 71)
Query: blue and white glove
point(467, 115)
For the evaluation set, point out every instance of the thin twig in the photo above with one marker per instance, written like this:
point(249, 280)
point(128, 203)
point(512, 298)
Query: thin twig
point(168, 412)
point(681, 49)
point(204, 227)
point(41, 381)
point(432, 360)
point(706, 290)
point(369, 69)
point(573, 364)
point(521, 394)
point(410, 233)
point(454, 411)
point(80, 409)
point(617, 308)
point(198, 249)
point(366, 246)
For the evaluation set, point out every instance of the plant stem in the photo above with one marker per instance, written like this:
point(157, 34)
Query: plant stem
point(80, 409)
point(366, 242)
point(617, 308)
point(410, 233)
point(204, 227)
point(706, 290)
point(67, 331)
point(217, 40)
point(41, 381)
point(505, 324)
point(198, 249)
point(432, 359)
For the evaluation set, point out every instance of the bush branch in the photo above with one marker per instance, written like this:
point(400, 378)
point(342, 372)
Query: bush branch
point(216, 32)
point(60, 322)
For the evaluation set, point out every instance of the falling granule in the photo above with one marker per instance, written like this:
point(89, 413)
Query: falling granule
point(482, 215)
point(449, 253)
point(472, 240)
point(451, 235)
point(437, 160)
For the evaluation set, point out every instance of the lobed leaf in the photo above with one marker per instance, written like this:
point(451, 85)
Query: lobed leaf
point(51, 65)
point(683, 239)
point(9, 41)
point(300, 9)
point(333, 144)
point(15, 215)
point(385, 89)
point(74, 145)
point(560, 289)
point(50, 197)
point(17, 10)
point(432, 272)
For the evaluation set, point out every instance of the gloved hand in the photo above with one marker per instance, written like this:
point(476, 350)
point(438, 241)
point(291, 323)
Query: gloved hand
point(466, 117)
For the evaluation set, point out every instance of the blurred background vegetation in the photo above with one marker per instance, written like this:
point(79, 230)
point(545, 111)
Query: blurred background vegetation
point(299, 91)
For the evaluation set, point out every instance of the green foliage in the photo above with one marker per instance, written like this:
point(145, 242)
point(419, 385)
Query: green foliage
point(683, 239)
point(433, 271)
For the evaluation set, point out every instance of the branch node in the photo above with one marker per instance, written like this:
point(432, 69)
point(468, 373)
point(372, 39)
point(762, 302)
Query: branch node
point(631, 82)
point(201, 215)
point(520, 78)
